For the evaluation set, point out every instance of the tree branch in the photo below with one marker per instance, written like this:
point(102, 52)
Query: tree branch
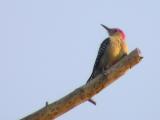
point(83, 93)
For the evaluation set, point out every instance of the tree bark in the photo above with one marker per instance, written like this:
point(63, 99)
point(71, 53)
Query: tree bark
point(83, 93)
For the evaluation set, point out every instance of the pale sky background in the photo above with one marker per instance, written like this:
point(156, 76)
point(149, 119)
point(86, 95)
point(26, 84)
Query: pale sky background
point(48, 48)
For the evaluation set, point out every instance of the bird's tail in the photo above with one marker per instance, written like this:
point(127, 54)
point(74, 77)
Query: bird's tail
point(94, 73)
point(91, 77)
point(92, 101)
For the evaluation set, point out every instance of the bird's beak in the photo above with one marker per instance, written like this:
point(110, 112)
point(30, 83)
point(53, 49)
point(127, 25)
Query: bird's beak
point(107, 28)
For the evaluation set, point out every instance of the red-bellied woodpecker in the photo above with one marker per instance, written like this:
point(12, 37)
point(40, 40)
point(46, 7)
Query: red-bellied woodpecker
point(111, 50)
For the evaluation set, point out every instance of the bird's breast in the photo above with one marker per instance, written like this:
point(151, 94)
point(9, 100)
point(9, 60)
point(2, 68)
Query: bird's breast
point(114, 49)
point(112, 53)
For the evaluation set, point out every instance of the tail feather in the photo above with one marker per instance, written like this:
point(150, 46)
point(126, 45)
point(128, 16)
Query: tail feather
point(90, 78)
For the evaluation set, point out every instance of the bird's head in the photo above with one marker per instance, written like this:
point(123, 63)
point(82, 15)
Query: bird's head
point(114, 32)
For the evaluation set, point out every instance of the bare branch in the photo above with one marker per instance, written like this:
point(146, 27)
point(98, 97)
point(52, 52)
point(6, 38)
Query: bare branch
point(83, 93)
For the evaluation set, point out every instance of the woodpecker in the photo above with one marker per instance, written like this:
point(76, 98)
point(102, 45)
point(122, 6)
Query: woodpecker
point(111, 50)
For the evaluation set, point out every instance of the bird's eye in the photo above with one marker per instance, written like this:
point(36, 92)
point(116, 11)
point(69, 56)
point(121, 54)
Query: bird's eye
point(115, 30)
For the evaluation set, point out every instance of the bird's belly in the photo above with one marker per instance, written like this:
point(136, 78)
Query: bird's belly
point(113, 54)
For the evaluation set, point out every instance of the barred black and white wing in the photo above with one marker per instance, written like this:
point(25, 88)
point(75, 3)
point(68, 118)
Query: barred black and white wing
point(101, 52)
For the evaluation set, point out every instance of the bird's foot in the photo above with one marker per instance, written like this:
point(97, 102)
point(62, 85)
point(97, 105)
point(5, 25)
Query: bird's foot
point(125, 54)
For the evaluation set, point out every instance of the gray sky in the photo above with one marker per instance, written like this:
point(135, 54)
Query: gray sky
point(48, 48)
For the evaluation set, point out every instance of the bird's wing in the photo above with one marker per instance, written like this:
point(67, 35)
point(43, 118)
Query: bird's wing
point(101, 51)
